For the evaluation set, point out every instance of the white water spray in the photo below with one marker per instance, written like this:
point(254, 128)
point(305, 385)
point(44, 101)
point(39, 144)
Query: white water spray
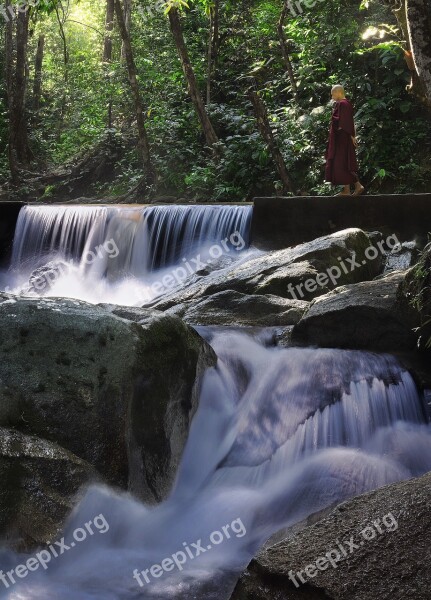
point(279, 434)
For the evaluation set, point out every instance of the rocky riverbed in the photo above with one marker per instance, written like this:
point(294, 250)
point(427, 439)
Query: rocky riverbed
point(89, 392)
point(107, 393)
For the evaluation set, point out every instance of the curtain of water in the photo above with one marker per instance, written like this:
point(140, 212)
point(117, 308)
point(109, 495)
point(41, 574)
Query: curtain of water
point(279, 434)
point(147, 238)
point(120, 254)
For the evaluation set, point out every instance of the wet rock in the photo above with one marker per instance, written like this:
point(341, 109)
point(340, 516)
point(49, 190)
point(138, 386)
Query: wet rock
point(374, 315)
point(117, 392)
point(236, 309)
point(391, 532)
point(40, 481)
point(290, 273)
point(43, 278)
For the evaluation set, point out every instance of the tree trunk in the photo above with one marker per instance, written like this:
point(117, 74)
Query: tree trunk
point(127, 23)
point(213, 45)
point(61, 20)
point(109, 25)
point(216, 32)
point(107, 52)
point(419, 30)
point(266, 133)
point(19, 152)
point(414, 19)
point(177, 32)
point(9, 68)
point(210, 53)
point(285, 52)
point(143, 144)
point(38, 62)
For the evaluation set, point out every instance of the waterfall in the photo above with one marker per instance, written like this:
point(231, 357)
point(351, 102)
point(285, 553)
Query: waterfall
point(148, 237)
point(120, 253)
point(177, 231)
point(279, 434)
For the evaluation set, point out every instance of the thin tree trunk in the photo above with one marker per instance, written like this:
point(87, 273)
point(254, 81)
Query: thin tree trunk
point(127, 22)
point(19, 152)
point(177, 32)
point(210, 55)
point(23, 150)
point(216, 32)
point(143, 143)
point(419, 31)
point(109, 25)
point(414, 19)
point(213, 45)
point(9, 66)
point(38, 63)
point(261, 115)
point(61, 21)
point(107, 52)
point(285, 52)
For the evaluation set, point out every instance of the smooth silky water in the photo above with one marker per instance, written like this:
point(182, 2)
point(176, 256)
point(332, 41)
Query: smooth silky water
point(280, 433)
point(121, 254)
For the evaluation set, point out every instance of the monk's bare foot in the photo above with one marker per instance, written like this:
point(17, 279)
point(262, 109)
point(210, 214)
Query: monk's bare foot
point(345, 192)
point(359, 190)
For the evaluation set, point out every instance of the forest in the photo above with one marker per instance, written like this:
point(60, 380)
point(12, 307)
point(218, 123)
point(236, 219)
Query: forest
point(215, 375)
point(208, 100)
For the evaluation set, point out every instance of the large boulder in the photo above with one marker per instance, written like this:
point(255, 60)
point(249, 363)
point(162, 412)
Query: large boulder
point(118, 392)
point(236, 309)
point(40, 481)
point(374, 315)
point(299, 273)
point(271, 274)
point(374, 547)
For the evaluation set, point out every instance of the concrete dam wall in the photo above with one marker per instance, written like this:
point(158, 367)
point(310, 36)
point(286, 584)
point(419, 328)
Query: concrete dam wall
point(281, 222)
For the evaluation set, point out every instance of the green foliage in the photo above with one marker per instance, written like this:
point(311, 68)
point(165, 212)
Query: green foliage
point(3, 116)
point(419, 292)
point(333, 42)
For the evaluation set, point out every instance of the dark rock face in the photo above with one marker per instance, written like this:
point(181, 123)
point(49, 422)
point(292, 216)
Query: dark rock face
point(272, 273)
point(392, 562)
point(116, 392)
point(236, 309)
point(39, 483)
point(374, 315)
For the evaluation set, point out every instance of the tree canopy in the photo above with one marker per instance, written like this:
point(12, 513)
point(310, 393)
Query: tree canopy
point(195, 99)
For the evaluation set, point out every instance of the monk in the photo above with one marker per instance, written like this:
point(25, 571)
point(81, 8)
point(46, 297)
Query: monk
point(341, 163)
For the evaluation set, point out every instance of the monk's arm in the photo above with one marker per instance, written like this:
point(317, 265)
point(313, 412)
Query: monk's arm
point(345, 121)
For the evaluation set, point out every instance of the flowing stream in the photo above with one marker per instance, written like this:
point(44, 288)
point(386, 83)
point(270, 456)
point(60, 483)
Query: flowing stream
point(280, 434)
point(126, 255)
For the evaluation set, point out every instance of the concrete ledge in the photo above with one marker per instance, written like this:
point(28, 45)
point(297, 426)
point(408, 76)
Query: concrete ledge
point(281, 222)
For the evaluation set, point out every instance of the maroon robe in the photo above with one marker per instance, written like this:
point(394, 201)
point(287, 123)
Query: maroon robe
point(341, 163)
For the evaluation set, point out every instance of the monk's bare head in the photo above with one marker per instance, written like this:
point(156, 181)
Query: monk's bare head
point(337, 92)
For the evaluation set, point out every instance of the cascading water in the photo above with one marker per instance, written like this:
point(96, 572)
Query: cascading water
point(150, 237)
point(279, 434)
point(112, 253)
